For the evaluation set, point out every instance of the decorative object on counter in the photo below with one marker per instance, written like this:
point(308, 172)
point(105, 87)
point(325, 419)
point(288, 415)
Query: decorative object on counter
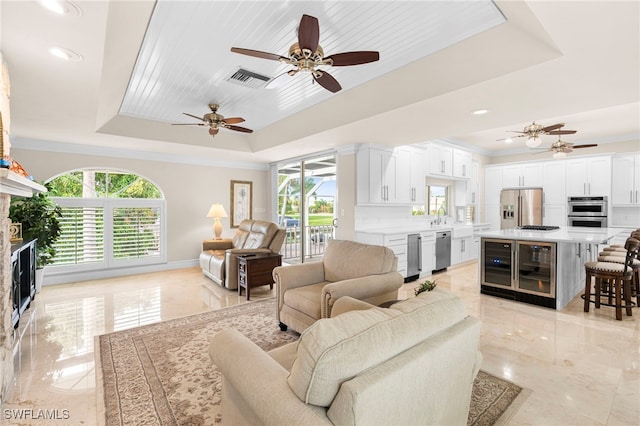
point(427, 285)
point(241, 201)
point(217, 211)
point(15, 232)
point(40, 219)
point(18, 169)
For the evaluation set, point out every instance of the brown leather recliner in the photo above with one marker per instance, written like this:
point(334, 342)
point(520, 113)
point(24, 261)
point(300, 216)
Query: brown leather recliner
point(219, 260)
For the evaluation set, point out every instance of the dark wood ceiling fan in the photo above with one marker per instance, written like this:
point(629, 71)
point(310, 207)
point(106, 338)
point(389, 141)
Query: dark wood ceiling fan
point(561, 148)
point(216, 121)
point(307, 55)
point(535, 130)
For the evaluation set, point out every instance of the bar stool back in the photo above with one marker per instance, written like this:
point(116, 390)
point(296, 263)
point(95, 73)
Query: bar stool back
point(619, 276)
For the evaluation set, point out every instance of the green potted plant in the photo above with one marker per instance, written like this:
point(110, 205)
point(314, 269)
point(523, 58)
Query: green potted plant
point(40, 218)
point(427, 285)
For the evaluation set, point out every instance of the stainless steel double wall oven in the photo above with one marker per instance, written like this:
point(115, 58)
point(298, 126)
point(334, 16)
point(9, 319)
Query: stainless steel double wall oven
point(587, 211)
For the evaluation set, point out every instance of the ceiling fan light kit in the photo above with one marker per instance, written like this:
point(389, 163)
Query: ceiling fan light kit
point(216, 121)
point(533, 142)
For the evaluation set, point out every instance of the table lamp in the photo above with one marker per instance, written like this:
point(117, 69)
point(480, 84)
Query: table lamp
point(217, 211)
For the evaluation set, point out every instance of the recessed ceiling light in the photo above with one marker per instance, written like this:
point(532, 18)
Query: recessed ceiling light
point(66, 54)
point(480, 111)
point(508, 140)
point(61, 7)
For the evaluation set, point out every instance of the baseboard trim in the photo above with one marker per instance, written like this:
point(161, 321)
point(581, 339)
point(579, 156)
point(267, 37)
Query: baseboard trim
point(71, 277)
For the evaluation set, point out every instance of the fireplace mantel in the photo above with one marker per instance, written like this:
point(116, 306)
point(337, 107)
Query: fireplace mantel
point(13, 184)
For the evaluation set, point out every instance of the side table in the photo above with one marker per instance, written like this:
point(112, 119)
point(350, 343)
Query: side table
point(255, 270)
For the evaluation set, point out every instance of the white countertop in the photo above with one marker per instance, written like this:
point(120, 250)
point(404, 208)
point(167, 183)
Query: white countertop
point(566, 234)
point(411, 229)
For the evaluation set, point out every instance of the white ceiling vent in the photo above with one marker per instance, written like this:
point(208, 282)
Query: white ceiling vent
point(248, 78)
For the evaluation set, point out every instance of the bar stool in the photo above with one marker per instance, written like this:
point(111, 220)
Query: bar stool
point(618, 275)
point(619, 257)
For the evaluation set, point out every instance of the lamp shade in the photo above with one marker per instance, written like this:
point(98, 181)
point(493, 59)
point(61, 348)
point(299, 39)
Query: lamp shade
point(217, 210)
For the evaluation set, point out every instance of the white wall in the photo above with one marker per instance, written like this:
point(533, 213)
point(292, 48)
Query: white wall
point(189, 190)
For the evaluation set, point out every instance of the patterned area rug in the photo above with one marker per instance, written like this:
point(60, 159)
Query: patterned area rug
point(161, 374)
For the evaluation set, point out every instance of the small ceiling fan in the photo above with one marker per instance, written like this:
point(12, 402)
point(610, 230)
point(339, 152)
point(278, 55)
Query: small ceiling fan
point(561, 148)
point(215, 121)
point(307, 55)
point(533, 132)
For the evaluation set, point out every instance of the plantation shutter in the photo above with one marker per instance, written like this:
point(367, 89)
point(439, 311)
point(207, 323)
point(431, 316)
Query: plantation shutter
point(136, 232)
point(82, 236)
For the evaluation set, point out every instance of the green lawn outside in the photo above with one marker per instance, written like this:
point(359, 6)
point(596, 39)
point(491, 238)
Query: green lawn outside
point(317, 219)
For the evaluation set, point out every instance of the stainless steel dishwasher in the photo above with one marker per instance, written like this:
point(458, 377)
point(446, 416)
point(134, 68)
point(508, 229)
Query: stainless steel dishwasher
point(443, 250)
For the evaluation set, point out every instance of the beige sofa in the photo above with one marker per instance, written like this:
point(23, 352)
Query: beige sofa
point(413, 363)
point(307, 292)
point(219, 258)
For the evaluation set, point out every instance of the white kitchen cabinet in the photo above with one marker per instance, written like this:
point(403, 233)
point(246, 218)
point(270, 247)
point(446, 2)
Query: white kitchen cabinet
point(492, 185)
point(472, 184)
point(492, 215)
point(461, 163)
point(428, 252)
point(589, 176)
point(522, 175)
point(553, 187)
point(625, 180)
point(410, 176)
point(475, 244)
point(439, 160)
point(461, 250)
point(376, 178)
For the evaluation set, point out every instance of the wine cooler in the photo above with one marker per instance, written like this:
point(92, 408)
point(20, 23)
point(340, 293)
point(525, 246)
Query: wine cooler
point(519, 270)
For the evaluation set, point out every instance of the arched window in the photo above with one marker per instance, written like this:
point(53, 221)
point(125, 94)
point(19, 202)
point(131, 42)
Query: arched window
point(110, 218)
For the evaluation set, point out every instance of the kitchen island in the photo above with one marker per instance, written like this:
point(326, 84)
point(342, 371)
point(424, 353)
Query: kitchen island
point(544, 268)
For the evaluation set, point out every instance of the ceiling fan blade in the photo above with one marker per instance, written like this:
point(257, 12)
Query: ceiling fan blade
point(327, 81)
point(562, 132)
point(233, 120)
point(354, 58)
point(187, 124)
point(552, 127)
point(239, 129)
point(257, 53)
point(590, 145)
point(194, 116)
point(280, 80)
point(213, 131)
point(308, 33)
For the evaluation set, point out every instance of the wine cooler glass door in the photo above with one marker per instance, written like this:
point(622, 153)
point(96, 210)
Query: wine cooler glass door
point(497, 258)
point(537, 268)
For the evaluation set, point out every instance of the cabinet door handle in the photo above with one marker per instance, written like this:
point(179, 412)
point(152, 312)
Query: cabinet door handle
point(636, 195)
point(464, 170)
point(631, 196)
point(584, 188)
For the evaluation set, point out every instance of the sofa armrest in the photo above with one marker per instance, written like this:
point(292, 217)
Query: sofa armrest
point(348, 304)
point(217, 244)
point(358, 288)
point(260, 381)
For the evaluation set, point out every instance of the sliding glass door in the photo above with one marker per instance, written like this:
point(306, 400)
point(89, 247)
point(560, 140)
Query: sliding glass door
point(306, 206)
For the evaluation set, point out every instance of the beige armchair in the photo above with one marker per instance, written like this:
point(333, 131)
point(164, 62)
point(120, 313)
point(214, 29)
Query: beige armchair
point(307, 292)
point(219, 258)
point(411, 364)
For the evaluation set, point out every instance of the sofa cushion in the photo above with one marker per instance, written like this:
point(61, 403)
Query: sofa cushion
point(242, 233)
point(261, 234)
point(372, 260)
point(305, 299)
point(337, 349)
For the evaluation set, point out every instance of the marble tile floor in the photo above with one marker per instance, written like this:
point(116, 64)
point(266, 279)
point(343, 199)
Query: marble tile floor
point(582, 368)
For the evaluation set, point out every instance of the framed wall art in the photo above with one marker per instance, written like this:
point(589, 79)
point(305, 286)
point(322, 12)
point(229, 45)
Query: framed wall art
point(241, 201)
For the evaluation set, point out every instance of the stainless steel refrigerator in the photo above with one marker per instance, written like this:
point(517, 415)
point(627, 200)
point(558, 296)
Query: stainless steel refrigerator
point(519, 207)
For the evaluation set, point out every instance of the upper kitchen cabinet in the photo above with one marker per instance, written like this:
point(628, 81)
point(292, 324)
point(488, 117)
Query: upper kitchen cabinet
point(492, 185)
point(410, 175)
point(589, 176)
point(625, 180)
point(553, 178)
point(461, 164)
point(439, 160)
point(522, 175)
point(472, 184)
point(376, 175)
